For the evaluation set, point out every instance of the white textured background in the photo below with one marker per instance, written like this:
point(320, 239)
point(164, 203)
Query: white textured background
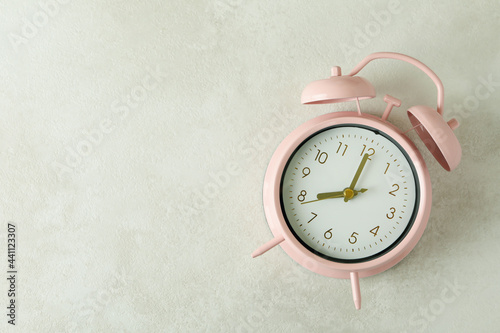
point(150, 226)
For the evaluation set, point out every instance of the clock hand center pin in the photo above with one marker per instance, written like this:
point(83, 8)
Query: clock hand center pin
point(348, 193)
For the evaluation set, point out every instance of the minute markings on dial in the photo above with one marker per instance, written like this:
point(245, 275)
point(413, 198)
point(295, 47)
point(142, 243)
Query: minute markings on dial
point(305, 184)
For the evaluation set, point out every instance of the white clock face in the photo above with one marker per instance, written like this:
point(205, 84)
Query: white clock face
point(336, 220)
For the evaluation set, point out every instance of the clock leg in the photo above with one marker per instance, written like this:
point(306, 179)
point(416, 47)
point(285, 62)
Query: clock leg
point(356, 293)
point(269, 245)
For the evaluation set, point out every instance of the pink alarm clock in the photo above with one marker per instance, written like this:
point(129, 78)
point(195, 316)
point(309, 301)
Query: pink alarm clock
point(348, 194)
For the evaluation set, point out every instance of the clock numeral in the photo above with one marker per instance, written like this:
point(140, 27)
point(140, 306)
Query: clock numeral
point(388, 165)
point(397, 188)
point(340, 146)
point(321, 157)
point(374, 231)
point(302, 196)
point(393, 210)
point(353, 236)
point(370, 152)
point(306, 171)
point(328, 234)
point(313, 217)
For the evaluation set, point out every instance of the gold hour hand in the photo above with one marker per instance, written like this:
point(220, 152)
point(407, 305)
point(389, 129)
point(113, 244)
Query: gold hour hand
point(328, 195)
point(331, 195)
point(340, 194)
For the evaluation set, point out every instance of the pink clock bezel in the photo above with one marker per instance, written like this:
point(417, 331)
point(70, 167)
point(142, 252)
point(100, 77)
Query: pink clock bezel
point(284, 235)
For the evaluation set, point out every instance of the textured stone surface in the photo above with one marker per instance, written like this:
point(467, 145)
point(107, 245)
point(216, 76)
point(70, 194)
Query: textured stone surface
point(134, 138)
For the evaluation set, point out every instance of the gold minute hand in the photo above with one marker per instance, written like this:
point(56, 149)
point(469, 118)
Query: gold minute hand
point(357, 174)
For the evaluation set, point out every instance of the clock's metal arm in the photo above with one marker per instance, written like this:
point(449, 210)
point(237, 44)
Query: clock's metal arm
point(269, 245)
point(356, 293)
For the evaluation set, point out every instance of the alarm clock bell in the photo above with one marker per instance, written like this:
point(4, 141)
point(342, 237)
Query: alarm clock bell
point(435, 132)
point(337, 89)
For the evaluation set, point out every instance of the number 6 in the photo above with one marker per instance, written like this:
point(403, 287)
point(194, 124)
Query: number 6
point(328, 234)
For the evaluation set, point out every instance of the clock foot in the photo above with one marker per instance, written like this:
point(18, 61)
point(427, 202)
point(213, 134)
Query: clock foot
point(266, 247)
point(356, 293)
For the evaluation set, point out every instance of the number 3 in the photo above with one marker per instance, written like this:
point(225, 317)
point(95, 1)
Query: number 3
point(393, 210)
